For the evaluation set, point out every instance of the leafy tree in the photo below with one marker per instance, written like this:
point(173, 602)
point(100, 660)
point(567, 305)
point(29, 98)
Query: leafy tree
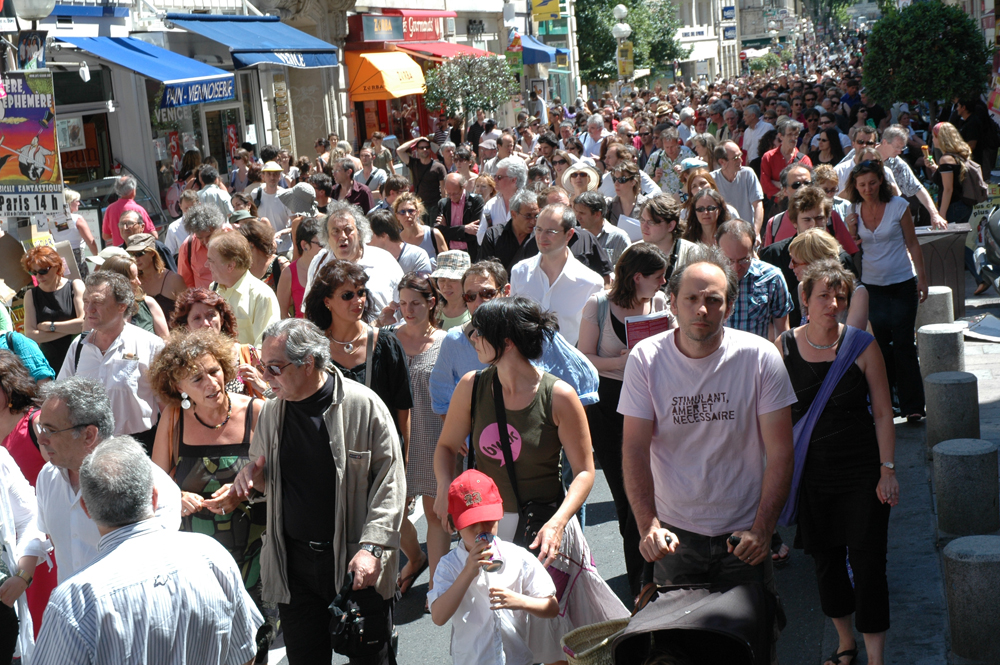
point(465, 84)
point(654, 25)
point(758, 65)
point(926, 51)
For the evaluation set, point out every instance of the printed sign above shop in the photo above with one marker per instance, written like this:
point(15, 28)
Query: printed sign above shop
point(420, 29)
point(30, 176)
point(382, 28)
point(197, 92)
point(728, 13)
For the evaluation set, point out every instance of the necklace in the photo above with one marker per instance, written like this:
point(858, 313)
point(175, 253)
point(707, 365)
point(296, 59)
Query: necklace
point(819, 347)
point(348, 346)
point(229, 414)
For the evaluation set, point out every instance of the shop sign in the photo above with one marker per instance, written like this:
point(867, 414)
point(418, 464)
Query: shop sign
point(544, 10)
point(729, 32)
point(197, 92)
point(382, 28)
point(729, 13)
point(30, 174)
point(417, 29)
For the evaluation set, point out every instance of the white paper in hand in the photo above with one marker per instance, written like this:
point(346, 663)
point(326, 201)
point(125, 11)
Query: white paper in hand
point(630, 225)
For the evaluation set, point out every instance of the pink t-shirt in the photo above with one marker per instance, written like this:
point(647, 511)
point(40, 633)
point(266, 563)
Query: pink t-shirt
point(114, 213)
point(707, 454)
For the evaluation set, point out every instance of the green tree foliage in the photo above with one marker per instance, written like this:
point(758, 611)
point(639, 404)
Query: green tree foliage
point(654, 25)
point(927, 51)
point(831, 13)
point(466, 84)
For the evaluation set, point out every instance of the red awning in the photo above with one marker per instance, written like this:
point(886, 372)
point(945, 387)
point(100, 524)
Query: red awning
point(420, 13)
point(438, 50)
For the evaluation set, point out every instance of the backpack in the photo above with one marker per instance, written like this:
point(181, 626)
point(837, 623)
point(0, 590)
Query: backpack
point(973, 186)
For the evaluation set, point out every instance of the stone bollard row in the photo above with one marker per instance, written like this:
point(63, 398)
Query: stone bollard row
point(967, 487)
point(952, 402)
point(972, 586)
point(941, 347)
point(938, 307)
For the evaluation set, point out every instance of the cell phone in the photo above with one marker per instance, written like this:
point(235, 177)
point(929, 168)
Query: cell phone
point(734, 540)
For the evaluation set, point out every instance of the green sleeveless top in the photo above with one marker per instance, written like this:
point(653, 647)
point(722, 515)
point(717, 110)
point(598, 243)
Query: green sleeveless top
point(143, 318)
point(534, 440)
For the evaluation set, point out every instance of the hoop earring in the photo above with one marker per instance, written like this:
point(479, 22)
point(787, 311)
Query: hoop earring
point(185, 401)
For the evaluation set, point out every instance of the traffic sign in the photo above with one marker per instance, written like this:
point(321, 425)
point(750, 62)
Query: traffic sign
point(743, 55)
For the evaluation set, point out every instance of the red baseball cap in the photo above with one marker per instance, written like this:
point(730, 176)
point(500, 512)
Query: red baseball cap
point(473, 497)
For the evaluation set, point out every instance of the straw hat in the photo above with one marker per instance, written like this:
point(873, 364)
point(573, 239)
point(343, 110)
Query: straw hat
point(594, 177)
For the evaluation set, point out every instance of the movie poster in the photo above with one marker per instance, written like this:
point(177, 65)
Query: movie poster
point(30, 176)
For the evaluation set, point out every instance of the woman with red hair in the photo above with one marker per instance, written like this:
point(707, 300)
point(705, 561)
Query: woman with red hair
point(53, 311)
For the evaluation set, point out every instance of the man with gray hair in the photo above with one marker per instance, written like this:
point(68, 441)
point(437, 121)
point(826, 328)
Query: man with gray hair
point(125, 188)
point(595, 134)
point(511, 177)
point(685, 129)
point(327, 457)
point(152, 595)
point(504, 242)
point(211, 193)
point(116, 353)
point(891, 146)
point(200, 221)
point(75, 417)
point(756, 128)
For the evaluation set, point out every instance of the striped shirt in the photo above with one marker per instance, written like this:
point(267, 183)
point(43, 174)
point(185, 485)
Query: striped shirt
point(155, 597)
point(763, 297)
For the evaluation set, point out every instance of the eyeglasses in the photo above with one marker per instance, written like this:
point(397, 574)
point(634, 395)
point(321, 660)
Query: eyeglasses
point(42, 430)
point(743, 263)
point(866, 143)
point(796, 264)
point(801, 183)
point(551, 233)
point(407, 212)
point(706, 209)
point(624, 179)
point(485, 293)
point(351, 295)
point(559, 162)
point(275, 370)
point(41, 271)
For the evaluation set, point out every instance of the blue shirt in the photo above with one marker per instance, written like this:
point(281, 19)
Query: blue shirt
point(27, 350)
point(763, 297)
point(153, 597)
point(458, 357)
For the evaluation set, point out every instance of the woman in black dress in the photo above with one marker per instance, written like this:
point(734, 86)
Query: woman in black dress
point(848, 482)
point(53, 310)
point(828, 148)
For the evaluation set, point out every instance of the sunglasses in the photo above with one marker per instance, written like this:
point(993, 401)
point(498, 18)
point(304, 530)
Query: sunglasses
point(866, 143)
point(579, 174)
point(559, 162)
point(407, 212)
point(486, 294)
point(41, 271)
point(347, 296)
point(706, 209)
point(867, 164)
point(274, 370)
point(644, 133)
point(624, 179)
point(801, 183)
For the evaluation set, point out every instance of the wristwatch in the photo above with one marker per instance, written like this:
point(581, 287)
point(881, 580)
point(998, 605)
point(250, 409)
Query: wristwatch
point(374, 550)
point(52, 326)
point(889, 465)
point(24, 576)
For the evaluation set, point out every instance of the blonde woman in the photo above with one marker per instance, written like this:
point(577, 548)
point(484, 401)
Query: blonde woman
point(409, 211)
point(77, 232)
point(813, 246)
point(950, 174)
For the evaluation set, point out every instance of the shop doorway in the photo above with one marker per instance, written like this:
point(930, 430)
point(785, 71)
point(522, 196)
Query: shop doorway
point(224, 133)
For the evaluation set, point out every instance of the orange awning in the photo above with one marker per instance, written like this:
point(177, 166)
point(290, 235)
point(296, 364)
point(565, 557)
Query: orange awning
point(438, 50)
point(382, 76)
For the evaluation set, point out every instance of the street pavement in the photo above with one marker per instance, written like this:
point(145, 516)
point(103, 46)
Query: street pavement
point(919, 632)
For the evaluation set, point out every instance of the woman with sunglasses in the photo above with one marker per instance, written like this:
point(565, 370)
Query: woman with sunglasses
point(154, 276)
point(859, 117)
point(706, 211)
point(892, 266)
point(409, 211)
point(200, 308)
point(561, 160)
point(203, 441)
point(338, 303)
point(628, 200)
point(828, 150)
point(53, 314)
point(421, 340)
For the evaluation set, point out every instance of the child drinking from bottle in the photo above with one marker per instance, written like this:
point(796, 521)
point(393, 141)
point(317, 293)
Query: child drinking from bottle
point(485, 586)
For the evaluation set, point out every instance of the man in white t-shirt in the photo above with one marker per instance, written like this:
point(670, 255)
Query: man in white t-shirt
point(756, 128)
point(704, 407)
point(270, 207)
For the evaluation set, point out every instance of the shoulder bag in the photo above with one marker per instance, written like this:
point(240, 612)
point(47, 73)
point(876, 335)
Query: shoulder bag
point(359, 626)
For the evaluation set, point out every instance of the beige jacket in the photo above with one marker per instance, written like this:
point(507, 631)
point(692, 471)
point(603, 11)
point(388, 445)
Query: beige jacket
point(370, 482)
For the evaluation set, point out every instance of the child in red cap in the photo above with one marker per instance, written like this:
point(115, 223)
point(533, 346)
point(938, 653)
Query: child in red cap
point(483, 606)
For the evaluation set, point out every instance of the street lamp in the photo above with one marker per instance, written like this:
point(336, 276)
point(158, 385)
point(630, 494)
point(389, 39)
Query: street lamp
point(33, 10)
point(621, 32)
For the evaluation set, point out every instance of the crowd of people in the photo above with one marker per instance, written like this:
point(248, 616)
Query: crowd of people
point(663, 283)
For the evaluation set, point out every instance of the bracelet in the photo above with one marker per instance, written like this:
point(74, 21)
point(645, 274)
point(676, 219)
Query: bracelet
point(24, 576)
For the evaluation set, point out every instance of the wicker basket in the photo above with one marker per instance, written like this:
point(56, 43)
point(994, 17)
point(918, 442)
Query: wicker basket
point(591, 645)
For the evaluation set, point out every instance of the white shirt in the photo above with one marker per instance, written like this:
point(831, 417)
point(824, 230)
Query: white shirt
point(684, 132)
point(124, 372)
point(176, 235)
point(474, 625)
point(384, 274)
point(592, 148)
point(275, 211)
point(73, 534)
point(499, 215)
point(565, 297)
point(751, 139)
point(152, 597)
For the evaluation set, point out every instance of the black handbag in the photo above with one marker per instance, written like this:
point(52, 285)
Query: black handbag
point(359, 626)
point(533, 515)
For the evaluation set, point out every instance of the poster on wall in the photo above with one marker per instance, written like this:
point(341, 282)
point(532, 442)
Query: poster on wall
point(30, 174)
point(31, 49)
point(232, 144)
point(69, 132)
point(176, 154)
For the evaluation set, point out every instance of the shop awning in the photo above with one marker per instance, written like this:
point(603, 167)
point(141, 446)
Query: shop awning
point(438, 50)
point(186, 81)
point(381, 76)
point(535, 52)
point(256, 39)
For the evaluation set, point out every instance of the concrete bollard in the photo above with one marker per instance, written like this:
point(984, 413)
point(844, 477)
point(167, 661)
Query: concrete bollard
point(967, 487)
point(937, 308)
point(952, 401)
point(972, 584)
point(941, 347)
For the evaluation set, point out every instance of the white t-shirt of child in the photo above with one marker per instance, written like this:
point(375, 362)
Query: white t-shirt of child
point(473, 628)
point(707, 454)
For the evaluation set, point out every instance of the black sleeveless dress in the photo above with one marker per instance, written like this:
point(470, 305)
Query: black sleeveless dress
point(55, 306)
point(837, 503)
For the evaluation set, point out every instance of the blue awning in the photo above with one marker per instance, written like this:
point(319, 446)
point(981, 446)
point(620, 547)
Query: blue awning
point(186, 81)
point(255, 39)
point(535, 52)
